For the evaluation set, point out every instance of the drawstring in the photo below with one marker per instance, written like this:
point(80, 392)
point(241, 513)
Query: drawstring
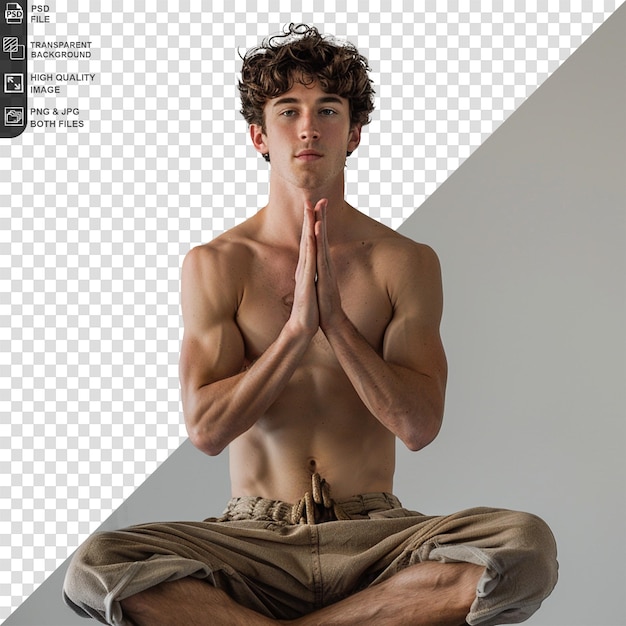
point(317, 505)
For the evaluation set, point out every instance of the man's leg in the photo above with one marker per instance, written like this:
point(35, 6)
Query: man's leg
point(188, 601)
point(428, 594)
point(120, 564)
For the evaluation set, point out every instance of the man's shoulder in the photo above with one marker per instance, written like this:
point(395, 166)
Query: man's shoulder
point(402, 264)
point(232, 248)
point(217, 270)
point(391, 245)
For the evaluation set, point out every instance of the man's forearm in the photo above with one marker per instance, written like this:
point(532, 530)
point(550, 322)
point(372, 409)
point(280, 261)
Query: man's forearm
point(406, 402)
point(225, 409)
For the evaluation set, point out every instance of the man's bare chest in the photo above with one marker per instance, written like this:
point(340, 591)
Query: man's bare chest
point(268, 295)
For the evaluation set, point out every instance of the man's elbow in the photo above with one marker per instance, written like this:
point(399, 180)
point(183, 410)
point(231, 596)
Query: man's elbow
point(420, 435)
point(199, 429)
point(204, 441)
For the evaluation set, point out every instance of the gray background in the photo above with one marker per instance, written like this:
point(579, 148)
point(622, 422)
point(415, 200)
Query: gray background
point(530, 231)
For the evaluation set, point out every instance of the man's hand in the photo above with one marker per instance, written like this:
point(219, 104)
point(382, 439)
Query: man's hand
point(316, 300)
point(328, 297)
point(305, 312)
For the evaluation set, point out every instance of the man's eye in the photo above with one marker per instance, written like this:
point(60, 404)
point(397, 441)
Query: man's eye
point(289, 113)
point(328, 112)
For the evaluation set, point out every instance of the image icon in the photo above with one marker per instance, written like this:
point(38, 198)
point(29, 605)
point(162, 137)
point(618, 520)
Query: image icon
point(14, 83)
point(14, 116)
point(12, 46)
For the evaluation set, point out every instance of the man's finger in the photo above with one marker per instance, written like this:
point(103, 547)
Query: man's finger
point(321, 233)
point(308, 244)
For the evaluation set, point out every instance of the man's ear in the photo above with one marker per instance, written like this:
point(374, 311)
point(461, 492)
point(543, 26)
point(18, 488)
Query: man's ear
point(259, 140)
point(354, 139)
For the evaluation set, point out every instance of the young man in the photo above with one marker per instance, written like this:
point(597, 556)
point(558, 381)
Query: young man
point(311, 342)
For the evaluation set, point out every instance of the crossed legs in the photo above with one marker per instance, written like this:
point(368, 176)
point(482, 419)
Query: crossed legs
point(518, 550)
point(429, 594)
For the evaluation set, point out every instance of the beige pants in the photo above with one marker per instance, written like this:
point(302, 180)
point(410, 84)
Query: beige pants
point(281, 569)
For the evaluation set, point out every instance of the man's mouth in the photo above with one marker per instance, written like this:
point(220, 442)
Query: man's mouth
point(308, 155)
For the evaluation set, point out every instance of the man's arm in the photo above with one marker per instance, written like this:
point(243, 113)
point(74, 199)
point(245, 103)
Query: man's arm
point(405, 387)
point(222, 399)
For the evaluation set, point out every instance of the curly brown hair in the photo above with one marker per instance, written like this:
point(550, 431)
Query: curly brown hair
point(302, 54)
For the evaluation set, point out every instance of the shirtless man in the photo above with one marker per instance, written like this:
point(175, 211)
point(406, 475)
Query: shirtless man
point(311, 343)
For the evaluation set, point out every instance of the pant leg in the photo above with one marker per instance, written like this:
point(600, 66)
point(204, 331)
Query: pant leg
point(253, 562)
point(517, 550)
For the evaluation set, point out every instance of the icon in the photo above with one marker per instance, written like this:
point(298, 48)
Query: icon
point(14, 83)
point(13, 13)
point(14, 116)
point(16, 51)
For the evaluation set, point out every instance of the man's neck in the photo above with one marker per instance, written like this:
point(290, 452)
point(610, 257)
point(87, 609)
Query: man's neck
point(284, 212)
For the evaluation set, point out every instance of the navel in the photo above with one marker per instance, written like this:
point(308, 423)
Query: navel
point(312, 465)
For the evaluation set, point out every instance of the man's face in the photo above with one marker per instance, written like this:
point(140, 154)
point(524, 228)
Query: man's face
point(307, 133)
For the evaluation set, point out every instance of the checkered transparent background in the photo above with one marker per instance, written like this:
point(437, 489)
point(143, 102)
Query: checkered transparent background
point(95, 221)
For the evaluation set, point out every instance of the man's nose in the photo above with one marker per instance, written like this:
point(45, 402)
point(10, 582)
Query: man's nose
point(308, 129)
